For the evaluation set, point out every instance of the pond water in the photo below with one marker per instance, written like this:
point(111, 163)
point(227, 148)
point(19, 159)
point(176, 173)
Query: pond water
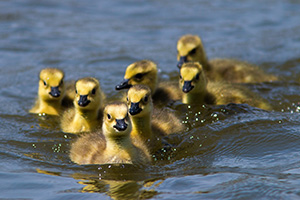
point(227, 152)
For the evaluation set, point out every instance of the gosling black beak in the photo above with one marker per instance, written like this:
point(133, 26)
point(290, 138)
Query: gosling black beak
point(182, 60)
point(121, 125)
point(54, 92)
point(187, 86)
point(135, 109)
point(123, 85)
point(83, 101)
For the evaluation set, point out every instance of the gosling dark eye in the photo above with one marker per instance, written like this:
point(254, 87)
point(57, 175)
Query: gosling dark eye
point(193, 51)
point(94, 91)
point(61, 82)
point(76, 92)
point(180, 76)
point(108, 116)
point(197, 76)
point(127, 99)
point(45, 83)
point(139, 76)
point(146, 99)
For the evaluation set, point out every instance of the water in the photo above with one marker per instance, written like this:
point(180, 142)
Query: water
point(227, 152)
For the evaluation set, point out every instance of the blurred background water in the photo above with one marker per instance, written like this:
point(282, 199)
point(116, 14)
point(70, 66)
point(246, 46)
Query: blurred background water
point(227, 152)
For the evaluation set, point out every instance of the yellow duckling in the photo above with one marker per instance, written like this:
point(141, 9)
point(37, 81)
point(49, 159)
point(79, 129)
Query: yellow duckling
point(114, 145)
point(196, 89)
point(51, 92)
point(145, 72)
point(190, 49)
point(86, 115)
point(146, 126)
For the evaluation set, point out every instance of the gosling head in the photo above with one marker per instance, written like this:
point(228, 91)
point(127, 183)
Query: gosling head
point(116, 121)
point(142, 72)
point(192, 78)
point(139, 100)
point(190, 49)
point(51, 84)
point(88, 94)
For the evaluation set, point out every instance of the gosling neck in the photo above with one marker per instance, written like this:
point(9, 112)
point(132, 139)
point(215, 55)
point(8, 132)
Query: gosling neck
point(141, 127)
point(153, 86)
point(86, 116)
point(50, 107)
point(205, 64)
point(194, 97)
point(203, 59)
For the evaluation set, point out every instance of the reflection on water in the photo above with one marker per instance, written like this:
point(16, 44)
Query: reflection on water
point(118, 189)
point(226, 152)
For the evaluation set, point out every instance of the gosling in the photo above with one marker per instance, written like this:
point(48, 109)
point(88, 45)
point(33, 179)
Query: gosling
point(51, 92)
point(190, 49)
point(112, 145)
point(86, 115)
point(145, 72)
point(196, 89)
point(149, 127)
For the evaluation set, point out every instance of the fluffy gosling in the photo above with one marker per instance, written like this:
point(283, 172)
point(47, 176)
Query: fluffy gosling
point(113, 144)
point(144, 72)
point(86, 116)
point(197, 90)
